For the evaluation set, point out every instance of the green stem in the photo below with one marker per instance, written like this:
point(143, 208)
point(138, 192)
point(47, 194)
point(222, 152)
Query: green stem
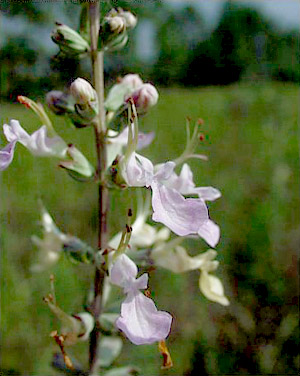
point(100, 130)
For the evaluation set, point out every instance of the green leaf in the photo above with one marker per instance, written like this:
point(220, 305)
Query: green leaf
point(109, 349)
point(123, 371)
point(116, 95)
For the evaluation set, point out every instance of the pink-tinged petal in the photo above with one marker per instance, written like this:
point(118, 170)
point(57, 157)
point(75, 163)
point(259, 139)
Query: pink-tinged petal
point(14, 132)
point(144, 139)
point(6, 155)
point(123, 273)
point(208, 193)
point(183, 183)
point(41, 145)
point(165, 171)
point(141, 322)
point(138, 171)
point(183, 216)
point(38, 143)
point(123, 269)
point(210, 232)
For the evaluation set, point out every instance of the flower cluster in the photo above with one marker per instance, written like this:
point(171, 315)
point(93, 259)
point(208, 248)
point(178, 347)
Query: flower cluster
point(176, 202)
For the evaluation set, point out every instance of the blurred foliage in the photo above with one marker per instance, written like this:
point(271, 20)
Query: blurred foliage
point(243, 46)
point(251, 140)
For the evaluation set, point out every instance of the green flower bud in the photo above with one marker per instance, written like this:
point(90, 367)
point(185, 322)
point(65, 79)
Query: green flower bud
point(113, 35)
point(69, 41)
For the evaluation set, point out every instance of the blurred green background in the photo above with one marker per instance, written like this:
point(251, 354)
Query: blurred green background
point(251, 138)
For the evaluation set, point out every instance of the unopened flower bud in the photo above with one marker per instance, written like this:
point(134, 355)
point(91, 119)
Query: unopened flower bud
point(69, 41)
point(59, 102)
point(113, 35)
point(117, 24)
point(82, 91)
point(132, 81)
point(129, 18)
point(144, 98)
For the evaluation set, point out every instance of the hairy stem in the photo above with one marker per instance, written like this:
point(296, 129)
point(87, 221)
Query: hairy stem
point(100, 129)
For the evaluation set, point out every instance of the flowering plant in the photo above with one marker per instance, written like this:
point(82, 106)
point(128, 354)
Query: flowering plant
point(176, 202)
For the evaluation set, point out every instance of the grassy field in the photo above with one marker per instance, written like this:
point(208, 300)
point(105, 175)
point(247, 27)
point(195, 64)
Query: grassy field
point(252, 144)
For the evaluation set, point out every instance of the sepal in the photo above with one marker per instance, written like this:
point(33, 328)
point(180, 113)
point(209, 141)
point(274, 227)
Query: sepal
point(69, 41)
point(78, 166)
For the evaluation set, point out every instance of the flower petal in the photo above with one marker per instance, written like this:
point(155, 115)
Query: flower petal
point(15, 132)
point(6, 155)
point(43, 146)
point(210, 232)
point(208, 193)
point(38, 143)
point(123, 270)
point(212, 288)
point(138, 171)
point(141, 322)
point(177, 259)
point(182, 216)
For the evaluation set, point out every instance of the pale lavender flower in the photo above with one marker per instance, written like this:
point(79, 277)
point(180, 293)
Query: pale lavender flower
point(140, 320)
point(184, 184)
point(38, 143)
point(184, 216)
point(116, 142)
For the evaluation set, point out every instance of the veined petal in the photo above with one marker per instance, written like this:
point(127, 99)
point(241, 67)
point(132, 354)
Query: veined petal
point(183, 183)
point(123, 270)
point(183, 216)
point(123, 273)
point(43, 146)
point(14, 132)
point(141, 322)
point(210, 232)
point(212, 288)
point(38, 143)
point(164, 171)
point(208, 193)
point(138, 171)
point(6, 155)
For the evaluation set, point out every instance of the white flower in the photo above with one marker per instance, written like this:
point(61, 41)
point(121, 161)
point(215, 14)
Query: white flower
point(38, 143)
point(140, 320)
point(50, 246)
point(176, 259)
